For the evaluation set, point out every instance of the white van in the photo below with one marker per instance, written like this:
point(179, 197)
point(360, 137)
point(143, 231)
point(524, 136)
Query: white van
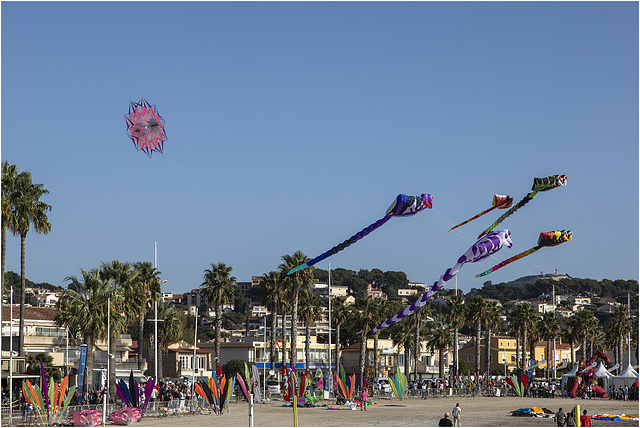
point(273, 386)
point(384, 385)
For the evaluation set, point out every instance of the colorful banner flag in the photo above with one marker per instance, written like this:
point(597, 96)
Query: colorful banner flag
point(81, 366)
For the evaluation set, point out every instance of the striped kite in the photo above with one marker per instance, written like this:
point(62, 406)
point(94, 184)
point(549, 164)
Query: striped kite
point(539, 185)
point(546, 239)
point(403, 206)
point(499, 201)
point(483, 248)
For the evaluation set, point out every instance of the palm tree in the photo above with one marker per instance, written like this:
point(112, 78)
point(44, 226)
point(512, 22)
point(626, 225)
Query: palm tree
point(28, 210)
point(382, 310)
point(416, 321)
point(587, 325)
point(339, 314)
point(571, 334)
point(297, 282)
point(9, 179)
point(272, 293)
point(169, 330)
point(455, 311)
point(82, 308)
point(439, 337)
point(617, 327)
point(402, 335)
point(523, 318)
point(477, 314)
point(147, 285)
point(549, 327)
point(310, 311)
point(219, 290)
point(125, 304)
point(491, 322)
point(365, 316)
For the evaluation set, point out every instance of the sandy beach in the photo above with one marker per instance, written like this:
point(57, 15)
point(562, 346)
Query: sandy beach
point(476, 412)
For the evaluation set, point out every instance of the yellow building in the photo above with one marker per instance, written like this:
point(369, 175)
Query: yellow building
point(502, 355)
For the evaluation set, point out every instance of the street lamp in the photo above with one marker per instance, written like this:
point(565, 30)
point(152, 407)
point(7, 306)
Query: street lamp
point(264, 359)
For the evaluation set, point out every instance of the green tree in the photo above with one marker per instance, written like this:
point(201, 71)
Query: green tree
point(33, 366)
point(364, 312)
point(491, 322)
point(169, 330)
point(310, 311)
point(477, 314)
point(403, 337)
point(456, 317)
point(126, 303)
point(339, 315)
point(9, 180)
point(417, 320)
point(219, 288)
point(272, 292)
point(297, 283)
point(83, 309)
point(28, 211)
point(587, 325)
point(439, 337)
point(549, 328)
point(147, 285)
point(617, 327)
point(523, 319)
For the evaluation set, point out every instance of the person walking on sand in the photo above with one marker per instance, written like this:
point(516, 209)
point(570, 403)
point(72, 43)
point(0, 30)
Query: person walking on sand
point(457, 415)
point(570, 421)
point(365, 397)
point(585, 420)
point(560, 417)
point(445, 422)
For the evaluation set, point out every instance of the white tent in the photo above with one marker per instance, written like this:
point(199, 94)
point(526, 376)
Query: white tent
point(566, 376)
point(601, 372)
point(627, 377)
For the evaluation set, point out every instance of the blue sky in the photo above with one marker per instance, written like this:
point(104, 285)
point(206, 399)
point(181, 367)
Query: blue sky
point(291, 126)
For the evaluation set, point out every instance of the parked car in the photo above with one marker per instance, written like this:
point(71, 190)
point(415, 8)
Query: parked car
point(384, 385)
point(273, 386)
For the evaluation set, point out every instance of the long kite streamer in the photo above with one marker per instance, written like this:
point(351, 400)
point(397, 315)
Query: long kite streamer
point(539, 185)
point(546, 239)
point(499, 201)
point(403, 206)
point(482, 249)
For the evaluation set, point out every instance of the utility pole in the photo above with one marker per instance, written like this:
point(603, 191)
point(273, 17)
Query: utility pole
point(554, 336)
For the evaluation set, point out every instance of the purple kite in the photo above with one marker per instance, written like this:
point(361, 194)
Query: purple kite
point(403, 206)
point(145, 127)
point(483, 248)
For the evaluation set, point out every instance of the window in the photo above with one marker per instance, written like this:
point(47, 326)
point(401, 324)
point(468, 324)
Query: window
point(183, 360)
point(501, 344)
point(470, 358)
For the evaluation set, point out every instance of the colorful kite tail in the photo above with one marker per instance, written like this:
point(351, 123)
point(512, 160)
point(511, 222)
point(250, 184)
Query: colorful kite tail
point(509, 260)
point(513, 209)
point(473, 218)
point(546, 239)
point(364, 232)
point(482, 249)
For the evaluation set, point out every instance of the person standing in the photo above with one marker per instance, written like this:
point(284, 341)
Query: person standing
point(560, 417)
point(570, 421)
point(585, 420)
point(365, 397)
point(457, 415)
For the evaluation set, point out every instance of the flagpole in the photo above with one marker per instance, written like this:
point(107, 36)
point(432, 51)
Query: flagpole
point(330, 365)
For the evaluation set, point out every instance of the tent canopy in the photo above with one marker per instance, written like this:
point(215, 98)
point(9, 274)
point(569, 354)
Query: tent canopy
point(627, 377)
